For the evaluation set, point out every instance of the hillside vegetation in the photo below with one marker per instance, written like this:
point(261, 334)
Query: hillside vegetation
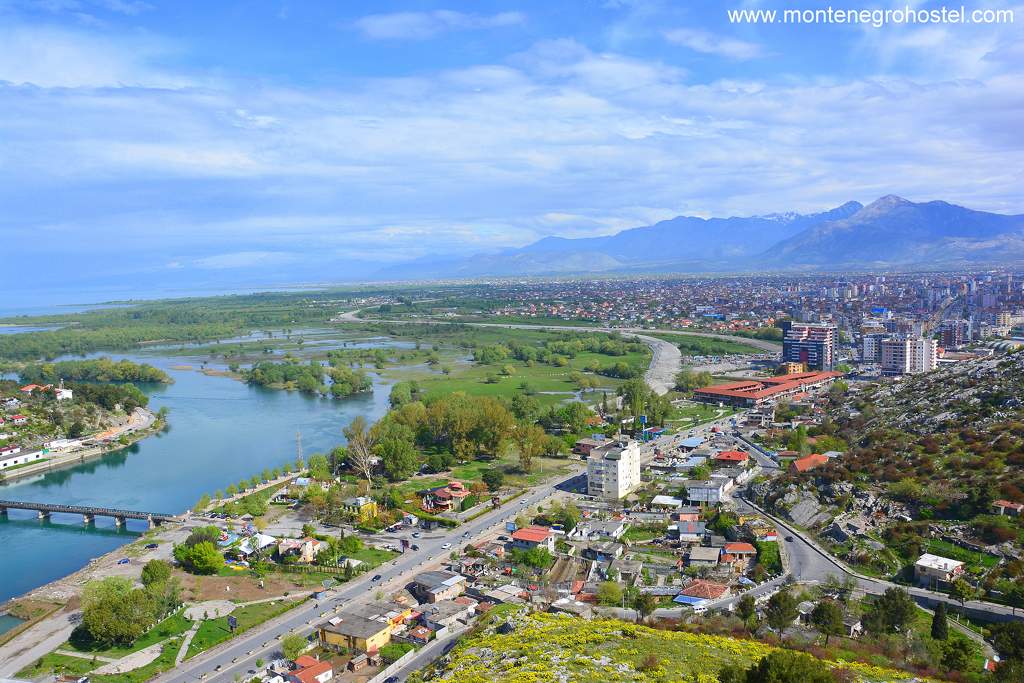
point(545, 647)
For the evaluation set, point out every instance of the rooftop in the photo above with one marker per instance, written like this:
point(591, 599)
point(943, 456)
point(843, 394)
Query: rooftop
point(532, 534)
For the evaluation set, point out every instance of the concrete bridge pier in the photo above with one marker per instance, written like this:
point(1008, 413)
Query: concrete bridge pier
point(88, 519)
point(3, 511)
point(43, 514)
point(152, 523)
point(119, 522)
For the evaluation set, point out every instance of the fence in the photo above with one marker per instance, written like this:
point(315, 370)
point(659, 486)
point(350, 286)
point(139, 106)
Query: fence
point(392, 667)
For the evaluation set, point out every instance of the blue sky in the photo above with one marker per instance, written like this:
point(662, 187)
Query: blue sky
point(210, 142)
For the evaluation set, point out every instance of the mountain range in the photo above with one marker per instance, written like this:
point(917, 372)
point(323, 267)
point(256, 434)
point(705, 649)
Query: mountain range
point(889, 232)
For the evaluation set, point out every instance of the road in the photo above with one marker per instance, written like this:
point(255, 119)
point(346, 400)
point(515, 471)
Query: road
point(239, 655)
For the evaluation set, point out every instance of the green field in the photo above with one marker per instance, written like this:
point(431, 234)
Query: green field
point(171, 626)
point(53, 663)
point(692, 345)
point(946, 549)
point(216, 631)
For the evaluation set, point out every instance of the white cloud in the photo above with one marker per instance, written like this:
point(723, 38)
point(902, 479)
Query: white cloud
point(424, 25)
point(713, 44)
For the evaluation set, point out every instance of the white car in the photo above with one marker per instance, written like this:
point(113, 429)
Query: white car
point(446, 546)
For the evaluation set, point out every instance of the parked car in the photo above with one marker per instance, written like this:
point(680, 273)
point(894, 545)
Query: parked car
point(376, 577)
point(415, 547)
point(446, 546)
point(415, 534)
point(124, 560)
point(152, 546)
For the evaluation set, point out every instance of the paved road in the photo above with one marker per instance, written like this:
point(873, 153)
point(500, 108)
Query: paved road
point(238, 656)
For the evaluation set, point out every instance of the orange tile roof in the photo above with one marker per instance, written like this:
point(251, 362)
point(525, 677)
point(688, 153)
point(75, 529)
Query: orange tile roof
point(532, 534)
point(768, 386)
point(736, 548)
point(732, 456)
point(809, 462)
point(709, 590)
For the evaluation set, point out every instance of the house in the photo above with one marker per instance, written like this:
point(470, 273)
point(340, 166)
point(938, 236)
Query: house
point(931, 570)
point(701, 556)
point(711, 491)
point(255, 544)
point(393, 613)
point(584, 446)
point(11, 456)
point(602, 551)
point(803, 612)
point(354, 632)
point(687, 532)
point(446, 612)
point(573, 607)
point(420, 635)
point(448, 498)
point(687, 445)
point(740, 549)
point(438, 585)
point(687, 514)
point(310, 670)
point(597, 529)
point(1005, 507)
point(30, 388)
point(666, 502)
point(732, 457)
point(362, 508)
point(533, 537)
point(18, 419)
point(705, 590)
point(305, 548)
point(852, 625)
point(808, 462)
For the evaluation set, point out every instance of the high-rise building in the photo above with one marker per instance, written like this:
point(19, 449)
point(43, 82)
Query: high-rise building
point(613, 471)
point(954, 333)
point(871, 351)
point(809, 343)
point(908, 355)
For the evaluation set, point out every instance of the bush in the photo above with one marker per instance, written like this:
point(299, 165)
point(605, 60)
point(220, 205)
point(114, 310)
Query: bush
point(394, 651)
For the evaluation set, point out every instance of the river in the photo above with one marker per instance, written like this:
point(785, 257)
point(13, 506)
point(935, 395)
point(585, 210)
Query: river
point(221, 431)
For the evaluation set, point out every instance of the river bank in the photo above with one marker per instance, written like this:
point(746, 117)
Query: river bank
point(142, 423)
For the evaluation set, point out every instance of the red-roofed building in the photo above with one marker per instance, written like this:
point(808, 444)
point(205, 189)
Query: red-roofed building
point(755, 392)
point(808, 462)
point(310, 670)
point(705, 590)
point(534, 537)
point(740, 548)
point(732, 457)
point(1005, 507)
point(18, 419)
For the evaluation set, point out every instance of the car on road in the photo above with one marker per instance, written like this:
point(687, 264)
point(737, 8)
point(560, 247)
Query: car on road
point(415, 534)
point(446, 546)
point(391, 679)
point(376, 577)
point(789, 539)
point(152, 546)
point(414, 547)
point(124, 560)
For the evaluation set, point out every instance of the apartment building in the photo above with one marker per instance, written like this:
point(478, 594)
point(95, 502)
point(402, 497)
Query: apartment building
point(613, 470)
point(908, 356)
point(811, 344)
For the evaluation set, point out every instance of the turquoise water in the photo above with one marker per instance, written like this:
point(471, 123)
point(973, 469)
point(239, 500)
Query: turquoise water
point(7, 622)
point(221, 431)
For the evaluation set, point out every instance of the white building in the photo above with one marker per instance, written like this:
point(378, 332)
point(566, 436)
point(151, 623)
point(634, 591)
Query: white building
point(711, 491)
point(931, 570)
point(12, 455)
point(613, 471)
point(908, 356)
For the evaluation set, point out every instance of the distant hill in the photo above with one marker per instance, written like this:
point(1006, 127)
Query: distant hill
point(888, 232)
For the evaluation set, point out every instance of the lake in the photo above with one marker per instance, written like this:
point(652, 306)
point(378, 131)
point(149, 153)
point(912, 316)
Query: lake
point(221, 431)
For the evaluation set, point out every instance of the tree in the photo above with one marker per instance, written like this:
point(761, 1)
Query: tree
point(746, 608)
point(76, 429)
point(781, 610)
point(957, 654)
point(360, 447)
point(609, 593)
point(293, 645)
point(1009, 640)
point(524, 407)
point(114, 613)
point(645, 604)
point(688, 380)
point(961, 590)
point(155, 571)
point(530, 441)
point(890, 612)
point(319, 468)
point(940, 629)
point(788, 666)
point(397, 452)
point(827, 616)
point(494, 478)
point(201, 558)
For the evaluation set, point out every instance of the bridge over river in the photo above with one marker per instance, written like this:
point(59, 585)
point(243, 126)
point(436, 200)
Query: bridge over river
point(89, 512)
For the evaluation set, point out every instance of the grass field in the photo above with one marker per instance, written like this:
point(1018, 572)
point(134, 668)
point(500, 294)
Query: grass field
point(946, 549)
point(692, 345)
point(162, 663)
point(53, 663)
point(216, 631)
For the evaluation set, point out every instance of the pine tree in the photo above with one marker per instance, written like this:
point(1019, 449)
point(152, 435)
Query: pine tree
point(940, 629)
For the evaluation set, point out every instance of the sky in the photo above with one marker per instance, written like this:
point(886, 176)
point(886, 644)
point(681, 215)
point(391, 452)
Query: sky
point(146, 143)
